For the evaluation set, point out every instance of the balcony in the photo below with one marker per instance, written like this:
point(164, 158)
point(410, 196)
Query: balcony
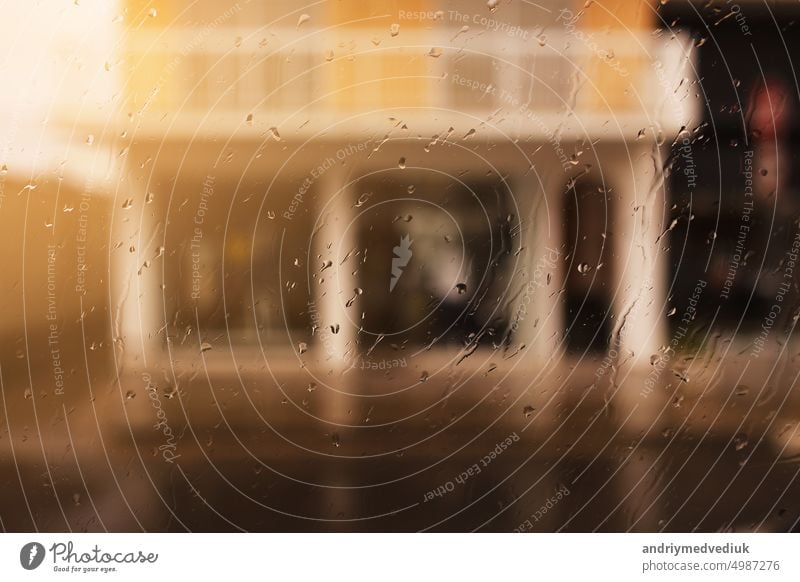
point(298, 82)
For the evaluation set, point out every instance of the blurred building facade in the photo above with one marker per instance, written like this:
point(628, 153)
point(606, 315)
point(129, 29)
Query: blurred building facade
point(269, 140)
point(348, 185)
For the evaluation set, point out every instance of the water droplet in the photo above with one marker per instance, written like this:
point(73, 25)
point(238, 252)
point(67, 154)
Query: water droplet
point(89, 139)
point(270, 215)
point(740, 441)
point(742, 390)
point(302, 347)
point(311, 386)
point(402, 163)
point(528, 411)
point(424, 376)
point(583, 268)
point(335, 440)
point(394, 29)
point(127, 204)
point(130, 395)
point(362, 199)
point(461, 288)
point(249, 119)
point(205, 346)
point(435, 52)
point(303, 19)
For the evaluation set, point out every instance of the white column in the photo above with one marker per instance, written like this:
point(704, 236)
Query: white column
point(135, 280)
point(639, 269)
point(640, 327)
point(537, 317)
point(334, 283)
point(334, 345)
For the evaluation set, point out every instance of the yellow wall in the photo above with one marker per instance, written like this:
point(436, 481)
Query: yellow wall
point(624, 19)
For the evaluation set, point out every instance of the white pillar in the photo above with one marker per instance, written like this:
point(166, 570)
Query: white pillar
point(639, 328)
point(334, 282)
point(537, 317)
point(334, 346)
point(639, 270)
point(135, 280)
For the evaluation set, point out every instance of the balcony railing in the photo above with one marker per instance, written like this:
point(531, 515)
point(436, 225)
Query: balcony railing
point(305, 78)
